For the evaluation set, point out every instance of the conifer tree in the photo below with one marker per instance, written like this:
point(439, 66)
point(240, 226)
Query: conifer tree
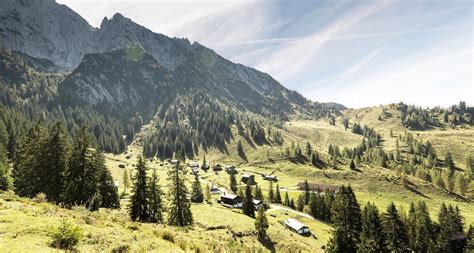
point(449, 163)
point(240, 150)
point(261, 224)
point(196, 192)
point(313, 159)
point(258, 193)
point(139, 208)
point(6, 181)
point(292, 204)
point(108, 191)
point(308, 149)
point(300, 203)
point(155, 199)
point(247, 206)
point(306, 192)
point(372, 238)
point(394, 230)
point(233, 183)
point(277, 195)
point(207, 193)
point(450, 225)
point(180, 206)
point(313, 205)
point(347, 222)
point(287, 199)
point(271, 195)
point(56, 163)
point(126, 181)
point(83, 174)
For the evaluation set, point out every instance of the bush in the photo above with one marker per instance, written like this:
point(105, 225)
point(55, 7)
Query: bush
point(167, 235)
point(66, 235)
point(40, 198)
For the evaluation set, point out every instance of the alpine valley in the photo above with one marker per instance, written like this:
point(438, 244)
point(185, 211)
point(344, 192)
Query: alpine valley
point(120, 139)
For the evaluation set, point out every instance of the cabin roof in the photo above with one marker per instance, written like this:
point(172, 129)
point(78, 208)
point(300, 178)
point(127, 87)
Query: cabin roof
point(294, 224)
point(230, 196)
point(256, 201)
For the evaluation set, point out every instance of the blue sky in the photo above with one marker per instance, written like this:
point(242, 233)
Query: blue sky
point(358, 53)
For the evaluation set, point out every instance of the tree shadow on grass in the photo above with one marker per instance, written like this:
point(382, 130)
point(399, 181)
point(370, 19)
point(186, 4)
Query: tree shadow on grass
point(267, 243)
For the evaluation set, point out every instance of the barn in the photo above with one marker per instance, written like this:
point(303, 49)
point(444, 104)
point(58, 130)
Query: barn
point(231, 200)
point(296, 226)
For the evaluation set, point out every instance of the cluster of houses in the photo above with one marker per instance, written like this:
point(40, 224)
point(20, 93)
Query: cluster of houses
point(235, 201)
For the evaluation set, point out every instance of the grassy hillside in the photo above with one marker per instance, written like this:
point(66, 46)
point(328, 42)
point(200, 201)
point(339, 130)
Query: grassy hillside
point(25, 224)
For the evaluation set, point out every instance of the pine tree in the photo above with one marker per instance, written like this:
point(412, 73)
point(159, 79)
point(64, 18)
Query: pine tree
point(419, 227)
point(394, 230)
point(313, 205)
point(470, 167)
point(196, 193)
point(180, 206)
point(347, 222)
point(277, 195)
point(306, 192)
point(56, 163)
point(450, 225)
point(371, 238)
point(83, 174)
point(261, 224)
point(258, 193)
point(449, 163)
point(300, 203)
point(155, 199)
point(313, 159)
point(6, 181)
point(308, 149)
point(126, 181)
point(287, 199)
point(138, 207)
point(233, 183)
point(271, 195)
point(247, 206)
point(108, 191)
point(207, 193)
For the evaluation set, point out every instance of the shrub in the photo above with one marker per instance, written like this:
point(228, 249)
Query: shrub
point(40, 198)
point(121, 249)
point(167, 235)
point(66, 235)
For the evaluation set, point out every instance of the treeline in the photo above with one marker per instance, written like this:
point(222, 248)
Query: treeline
point(198, 121)
point(70, 172)
point(418, 118)
point(367, 230)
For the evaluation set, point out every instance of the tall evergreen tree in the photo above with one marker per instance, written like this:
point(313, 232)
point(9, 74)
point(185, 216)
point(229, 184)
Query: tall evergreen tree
point(180, 207)
point(261, 224)
point(287, 199)
point(196, 191)
point(271, 195)
point(306, 192)
point(83, 174)
point(449, 163)
point(6, 181)
point(247, 206)
point(109, 197)
point(371, 238)
point(277, 195)
point(258, 193)
point(126, 181)
point(233, 183)
point(138, 207)
point(308, 149)
point(347, 222)
point(313, 205)
point(450, 226)
point(394, 230)
point(155, 199)
point(56, 163)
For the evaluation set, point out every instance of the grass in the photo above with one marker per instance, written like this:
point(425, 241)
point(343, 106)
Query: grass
point(25, 224)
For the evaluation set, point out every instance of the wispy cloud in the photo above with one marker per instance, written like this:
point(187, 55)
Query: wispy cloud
point(354, 52)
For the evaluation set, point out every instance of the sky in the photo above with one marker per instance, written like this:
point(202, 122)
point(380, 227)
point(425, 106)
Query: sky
point(358, 53)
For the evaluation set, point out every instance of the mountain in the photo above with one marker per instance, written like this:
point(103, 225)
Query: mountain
point(120, 76)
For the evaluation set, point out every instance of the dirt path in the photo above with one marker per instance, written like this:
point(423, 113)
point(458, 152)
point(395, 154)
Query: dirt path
point(275, 207)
